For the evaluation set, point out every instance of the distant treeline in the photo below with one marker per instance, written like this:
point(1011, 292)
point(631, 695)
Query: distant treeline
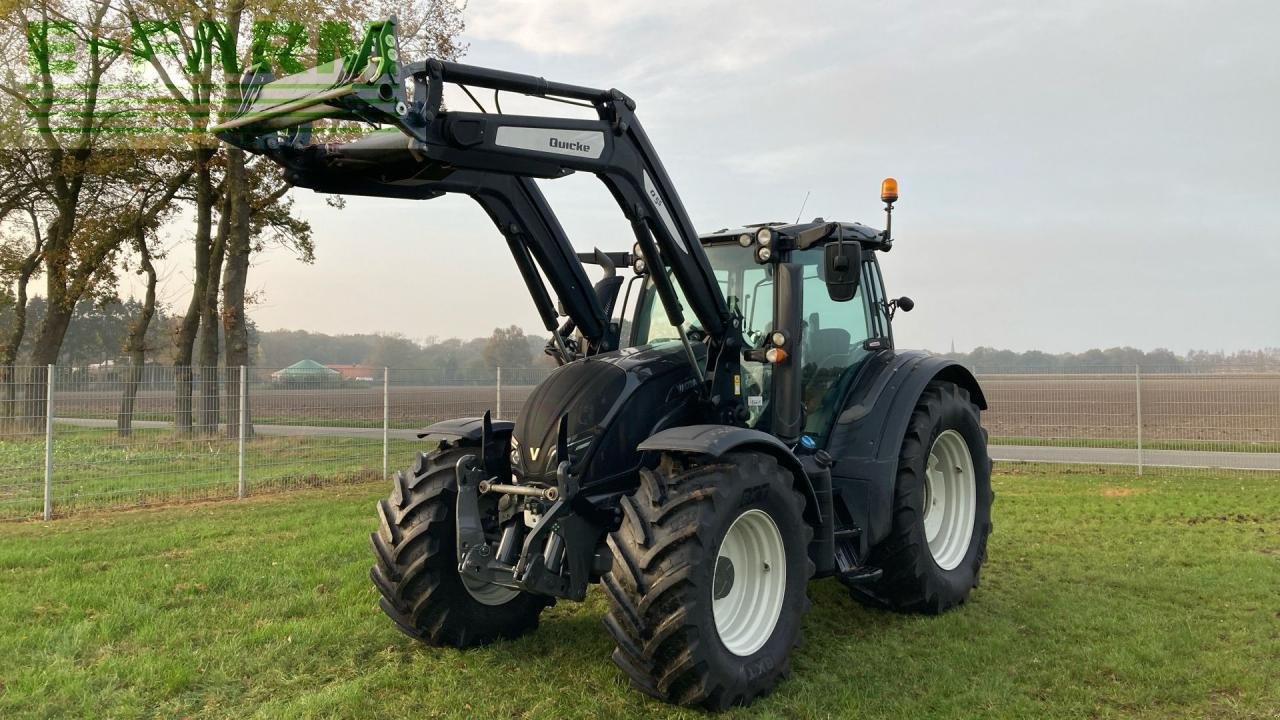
point(504, 347)
point(991, 359)
point(99, 328)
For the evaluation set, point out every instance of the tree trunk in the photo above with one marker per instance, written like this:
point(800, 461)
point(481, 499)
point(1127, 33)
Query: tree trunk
point(9, 384)
point(45, 353)
point(209, 408)
point(186, 335)
point(9, 351)
point(136, 342)
point(235, 278)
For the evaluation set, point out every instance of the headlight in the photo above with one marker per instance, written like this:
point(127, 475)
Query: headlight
point(764, 236)
point(744, 240)
point(763, 254)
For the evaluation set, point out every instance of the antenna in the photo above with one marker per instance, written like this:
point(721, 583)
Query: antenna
point(806, 202)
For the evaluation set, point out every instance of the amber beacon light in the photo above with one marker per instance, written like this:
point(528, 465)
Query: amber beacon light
point(889, 196)
point(889, 190)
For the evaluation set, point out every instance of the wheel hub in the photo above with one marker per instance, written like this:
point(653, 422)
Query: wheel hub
point(723, 578)
point(950, 499)
point(749, 582)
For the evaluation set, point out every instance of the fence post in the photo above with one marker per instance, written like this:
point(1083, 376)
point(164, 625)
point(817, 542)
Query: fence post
point(1137, 391)
point(48, 444)
point(497, 413)
point(386, 418)
point(244, 423)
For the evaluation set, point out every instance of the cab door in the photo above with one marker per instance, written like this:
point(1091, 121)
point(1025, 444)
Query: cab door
point(838, 337)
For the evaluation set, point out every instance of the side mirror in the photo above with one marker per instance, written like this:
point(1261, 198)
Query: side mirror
point(904, 303)
point(842, 268)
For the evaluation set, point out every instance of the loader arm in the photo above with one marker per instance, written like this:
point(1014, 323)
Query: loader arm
point(471, 146)
point(378, 165)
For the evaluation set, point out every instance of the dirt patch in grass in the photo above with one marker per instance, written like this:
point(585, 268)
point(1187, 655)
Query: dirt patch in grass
point(1116, 492)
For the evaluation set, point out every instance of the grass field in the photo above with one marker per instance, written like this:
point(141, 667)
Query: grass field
point(93, 468)
point(1105, 595)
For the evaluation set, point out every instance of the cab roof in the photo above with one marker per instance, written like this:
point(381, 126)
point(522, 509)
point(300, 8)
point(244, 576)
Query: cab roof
point(852, 231)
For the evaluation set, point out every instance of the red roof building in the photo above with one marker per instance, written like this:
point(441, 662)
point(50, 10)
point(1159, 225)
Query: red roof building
point(353, 372)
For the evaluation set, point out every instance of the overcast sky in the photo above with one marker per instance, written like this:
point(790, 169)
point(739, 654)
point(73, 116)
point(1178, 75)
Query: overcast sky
point(1073, 174)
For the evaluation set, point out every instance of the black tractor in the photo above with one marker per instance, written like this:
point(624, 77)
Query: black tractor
point(727, 423)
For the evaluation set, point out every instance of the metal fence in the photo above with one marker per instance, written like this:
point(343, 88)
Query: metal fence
point(1142, 417)
point(121, 436)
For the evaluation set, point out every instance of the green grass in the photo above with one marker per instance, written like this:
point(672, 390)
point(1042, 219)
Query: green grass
point(1130, 444)
point(93, 468)
point(420, 420)
point(1106, 595)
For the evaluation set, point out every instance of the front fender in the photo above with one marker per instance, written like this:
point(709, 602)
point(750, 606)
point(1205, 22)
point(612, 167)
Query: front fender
point(467, 430)
point(716, 440)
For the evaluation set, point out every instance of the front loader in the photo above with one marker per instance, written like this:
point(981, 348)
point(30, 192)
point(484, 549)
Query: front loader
point(727, 423)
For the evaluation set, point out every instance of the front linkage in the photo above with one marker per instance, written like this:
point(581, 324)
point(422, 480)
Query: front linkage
point(550, 558)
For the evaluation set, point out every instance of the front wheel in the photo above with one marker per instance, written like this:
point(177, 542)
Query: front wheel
point(941, 508)
point(707, 587)
point(416, 564)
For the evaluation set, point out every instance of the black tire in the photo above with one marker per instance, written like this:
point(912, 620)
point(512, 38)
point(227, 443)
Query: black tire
point(416, 563)
point(660, 586)
point(912, 580)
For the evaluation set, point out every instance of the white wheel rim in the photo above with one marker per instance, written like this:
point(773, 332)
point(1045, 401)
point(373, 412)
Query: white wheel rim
point(749, 582)
point(950, 499)
point(488, 593)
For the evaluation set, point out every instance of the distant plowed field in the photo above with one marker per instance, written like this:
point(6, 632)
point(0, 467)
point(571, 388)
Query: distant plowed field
point(1214, 408)
point(1234, 409)
point(410, 406)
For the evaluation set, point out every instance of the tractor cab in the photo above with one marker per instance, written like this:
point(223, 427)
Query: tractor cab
point(841, 324)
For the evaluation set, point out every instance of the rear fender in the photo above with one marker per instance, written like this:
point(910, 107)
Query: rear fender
point(867, 436)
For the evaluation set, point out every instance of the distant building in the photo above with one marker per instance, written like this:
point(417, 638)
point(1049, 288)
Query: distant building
point(305, 370)
point(353, 372)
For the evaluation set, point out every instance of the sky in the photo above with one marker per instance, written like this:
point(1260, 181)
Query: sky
point(1073, 174)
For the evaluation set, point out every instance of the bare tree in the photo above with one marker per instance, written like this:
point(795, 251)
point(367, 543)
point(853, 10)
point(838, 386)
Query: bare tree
point(157, 178)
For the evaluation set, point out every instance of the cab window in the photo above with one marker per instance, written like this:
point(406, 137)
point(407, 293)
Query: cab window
point(748, 289)
point(833, 341)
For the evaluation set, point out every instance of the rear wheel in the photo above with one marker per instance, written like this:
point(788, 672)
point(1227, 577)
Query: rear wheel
point(707, 588)
point(942, 508)
point(416, 564)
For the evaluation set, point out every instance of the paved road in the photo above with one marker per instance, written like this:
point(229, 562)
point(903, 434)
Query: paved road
point(1150, 458)
point(1026, 453)
point(271, 430)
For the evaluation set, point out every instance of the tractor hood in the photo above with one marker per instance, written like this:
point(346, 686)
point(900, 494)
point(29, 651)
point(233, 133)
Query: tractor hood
point(606, 409)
